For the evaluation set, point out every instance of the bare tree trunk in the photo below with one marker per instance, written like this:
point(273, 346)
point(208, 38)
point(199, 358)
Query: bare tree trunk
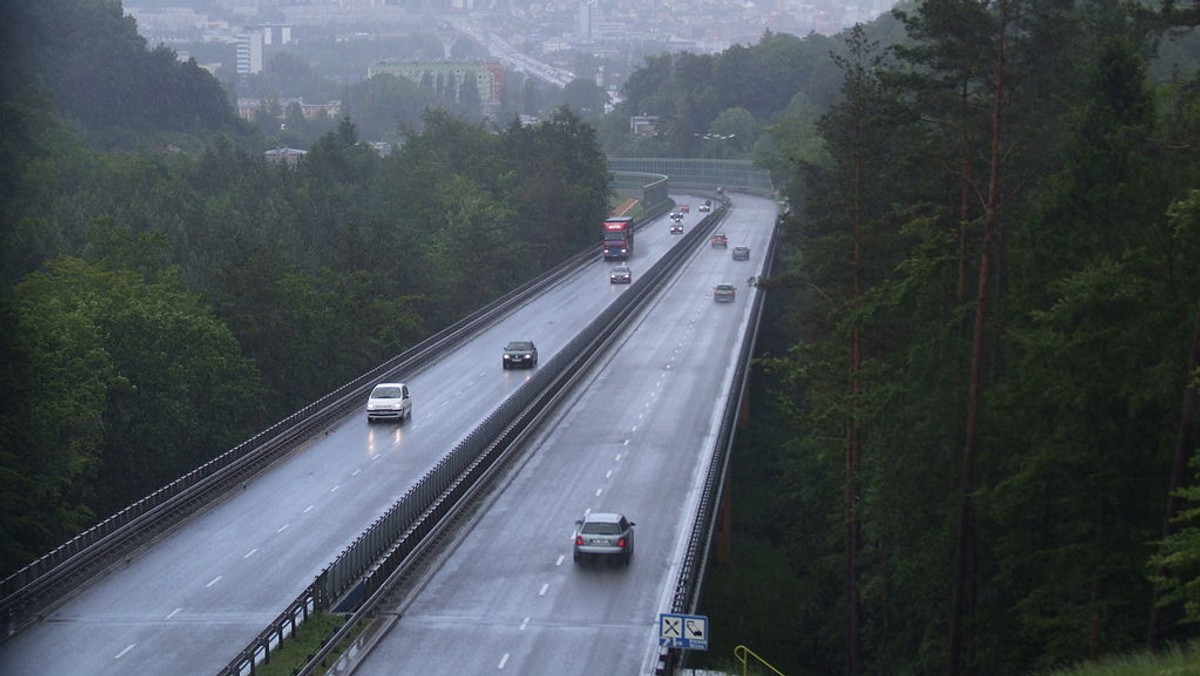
point(853, 529)
point(961, 599)
point(964, 211)
point(853, 536)
point(1185, 445)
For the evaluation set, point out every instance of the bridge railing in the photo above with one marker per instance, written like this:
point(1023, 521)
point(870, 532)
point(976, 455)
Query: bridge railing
point(53, 574)
point(689, 584)
point(355, 578)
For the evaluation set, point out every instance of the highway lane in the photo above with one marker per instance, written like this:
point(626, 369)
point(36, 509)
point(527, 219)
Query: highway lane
point(501, 50)
point(508, 598)
point(191, 600)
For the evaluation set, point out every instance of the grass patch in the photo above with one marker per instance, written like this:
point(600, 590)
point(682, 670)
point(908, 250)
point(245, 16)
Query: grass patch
point(1177, 661)
point(746, 602)
point(295, 651)
point(626, 207)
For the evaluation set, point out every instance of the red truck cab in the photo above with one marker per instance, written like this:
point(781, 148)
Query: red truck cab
point(618, 238)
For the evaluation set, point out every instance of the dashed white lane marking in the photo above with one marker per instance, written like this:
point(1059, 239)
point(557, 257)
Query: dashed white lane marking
point(335, 487)
point(173, 613)
point(560, 560)
point(281, 529)
point(625, 443)
point(375, 456)
point(122, 653)
point(503, 661)
point(618, 458)
point(608, 474)
point(214, 581)
point(355, 472)
point(545, 588)
point(524, 623)
point(309, 508)
point(250, 553)
point(633, 429)
point(599, 491)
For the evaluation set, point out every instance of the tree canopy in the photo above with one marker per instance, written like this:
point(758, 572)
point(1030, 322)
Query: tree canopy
point(159, 306)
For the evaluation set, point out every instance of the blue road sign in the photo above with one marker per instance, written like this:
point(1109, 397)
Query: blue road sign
point(683, 631)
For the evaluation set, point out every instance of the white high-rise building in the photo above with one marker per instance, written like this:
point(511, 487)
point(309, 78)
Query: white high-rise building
point(250, 52)
point(276, 33)
point(585, 20)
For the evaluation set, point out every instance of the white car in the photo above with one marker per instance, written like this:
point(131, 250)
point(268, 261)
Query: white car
point(724, 293)
point(389, 401)
point(620, 275)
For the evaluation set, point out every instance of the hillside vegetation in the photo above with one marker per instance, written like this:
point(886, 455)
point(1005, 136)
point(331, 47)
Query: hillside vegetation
point(973, 442)
point(973, 447)
point(158, 306)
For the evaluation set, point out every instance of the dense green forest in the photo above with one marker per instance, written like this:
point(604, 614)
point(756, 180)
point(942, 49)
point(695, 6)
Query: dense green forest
point(160, 306)
point(974, 452)
point(973, 447)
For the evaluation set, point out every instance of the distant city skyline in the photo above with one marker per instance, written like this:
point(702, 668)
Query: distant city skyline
point(543, 38)
point(712, 25)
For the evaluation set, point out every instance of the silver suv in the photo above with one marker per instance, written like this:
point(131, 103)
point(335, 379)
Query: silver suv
point(389, 401)
point(604, 534)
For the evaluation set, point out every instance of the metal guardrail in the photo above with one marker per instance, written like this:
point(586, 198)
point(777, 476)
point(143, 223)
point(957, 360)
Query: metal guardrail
point(362, 573)
point(690, 583)
point(25, 592)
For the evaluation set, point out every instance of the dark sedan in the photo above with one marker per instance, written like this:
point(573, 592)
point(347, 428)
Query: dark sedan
point(520, 354)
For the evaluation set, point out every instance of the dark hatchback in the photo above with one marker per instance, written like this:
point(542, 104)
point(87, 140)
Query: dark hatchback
point(520, 353)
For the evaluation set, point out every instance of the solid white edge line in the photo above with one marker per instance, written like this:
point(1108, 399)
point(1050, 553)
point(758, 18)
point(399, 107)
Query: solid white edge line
point(122, 653)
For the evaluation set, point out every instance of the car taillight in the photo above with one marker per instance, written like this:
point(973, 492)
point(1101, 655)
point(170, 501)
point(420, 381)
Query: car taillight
point(621, 542)
point(579, 539)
